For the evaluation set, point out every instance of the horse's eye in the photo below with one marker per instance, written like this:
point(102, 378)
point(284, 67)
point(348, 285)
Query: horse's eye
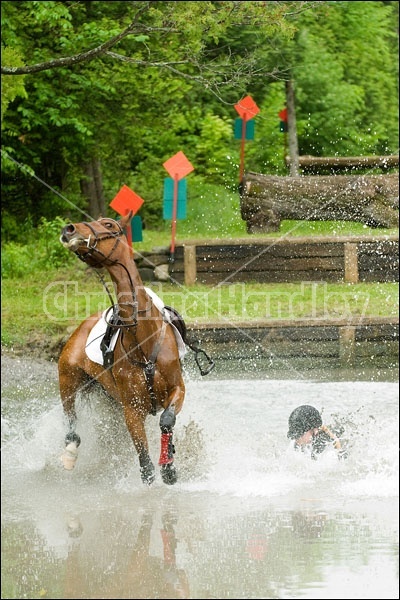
point(109, 225)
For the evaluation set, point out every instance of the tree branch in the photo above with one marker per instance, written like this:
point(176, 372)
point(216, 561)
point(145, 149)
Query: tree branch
point(83, 56)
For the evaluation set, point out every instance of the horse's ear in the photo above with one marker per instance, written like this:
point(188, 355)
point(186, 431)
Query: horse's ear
point(124, 221)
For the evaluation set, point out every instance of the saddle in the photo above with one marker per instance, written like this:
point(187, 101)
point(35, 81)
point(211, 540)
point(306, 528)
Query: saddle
point(203, 361)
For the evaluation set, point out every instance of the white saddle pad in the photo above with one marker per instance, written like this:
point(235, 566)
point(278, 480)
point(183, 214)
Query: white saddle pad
point(98, 331)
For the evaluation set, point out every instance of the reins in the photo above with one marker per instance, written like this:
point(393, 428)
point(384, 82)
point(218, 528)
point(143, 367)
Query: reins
point(91, 254)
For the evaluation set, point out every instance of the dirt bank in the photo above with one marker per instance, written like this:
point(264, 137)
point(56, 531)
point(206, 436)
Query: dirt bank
point(41, 347)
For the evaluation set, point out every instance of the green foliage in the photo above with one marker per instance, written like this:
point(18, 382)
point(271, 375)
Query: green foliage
point(266, 154)
point(11, 87)
point(213, 150)
point(212, 212)
point(346, 80)
point(54, 254)
point(43, 251)
point(13, 230)
point(16, 261)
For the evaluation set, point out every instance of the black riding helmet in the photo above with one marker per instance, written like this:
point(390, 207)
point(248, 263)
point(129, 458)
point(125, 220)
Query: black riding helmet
point(302, 419)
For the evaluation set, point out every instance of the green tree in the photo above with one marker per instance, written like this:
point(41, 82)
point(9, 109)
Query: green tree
point(110, 91)
point(346, 80)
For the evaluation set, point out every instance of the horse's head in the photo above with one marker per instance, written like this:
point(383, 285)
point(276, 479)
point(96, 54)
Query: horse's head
point(95, 242)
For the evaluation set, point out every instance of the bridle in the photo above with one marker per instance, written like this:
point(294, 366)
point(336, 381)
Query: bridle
point(92, 247)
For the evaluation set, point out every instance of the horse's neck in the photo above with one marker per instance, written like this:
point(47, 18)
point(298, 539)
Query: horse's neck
point(130, 290)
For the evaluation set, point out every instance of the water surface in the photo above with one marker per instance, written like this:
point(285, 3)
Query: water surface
point(248, 518)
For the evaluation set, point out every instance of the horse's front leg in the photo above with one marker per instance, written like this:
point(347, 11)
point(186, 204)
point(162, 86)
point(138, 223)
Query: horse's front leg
point(134, 419)
point(72, 440)
point(167, 422)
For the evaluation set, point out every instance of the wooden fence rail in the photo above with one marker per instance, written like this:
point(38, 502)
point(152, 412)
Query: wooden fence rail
point(331, 259)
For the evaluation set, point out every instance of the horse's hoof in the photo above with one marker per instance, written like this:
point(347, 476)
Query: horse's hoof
point(69, 456)
point(169, 474)
point(72, 436)
point(147, 474)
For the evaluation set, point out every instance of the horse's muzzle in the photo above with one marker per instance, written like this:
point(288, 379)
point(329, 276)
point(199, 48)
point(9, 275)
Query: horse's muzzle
point(70, 238)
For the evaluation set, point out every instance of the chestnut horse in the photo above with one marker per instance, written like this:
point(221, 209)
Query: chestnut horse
point(145, 374)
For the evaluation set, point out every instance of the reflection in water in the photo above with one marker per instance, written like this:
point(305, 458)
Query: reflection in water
point(74, 527)
point(248, 518)
point(307, 525)
point(260, 554)
point(135, 572)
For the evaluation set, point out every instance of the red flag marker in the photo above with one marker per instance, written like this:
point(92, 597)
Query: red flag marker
point(283, 115)
point(247, 108)
point(178, 166)
point(124, 201)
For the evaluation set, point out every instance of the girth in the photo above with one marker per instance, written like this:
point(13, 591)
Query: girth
point(149, 368)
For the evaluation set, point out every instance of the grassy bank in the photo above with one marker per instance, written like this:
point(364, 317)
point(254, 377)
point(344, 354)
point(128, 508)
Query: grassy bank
point(47, 292)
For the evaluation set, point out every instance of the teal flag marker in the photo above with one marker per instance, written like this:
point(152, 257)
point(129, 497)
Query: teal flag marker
point(136, 226)
point(249, 133)
point(169, 198)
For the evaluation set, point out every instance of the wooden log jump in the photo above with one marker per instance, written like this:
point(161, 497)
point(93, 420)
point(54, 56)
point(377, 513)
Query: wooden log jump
point(266, 200)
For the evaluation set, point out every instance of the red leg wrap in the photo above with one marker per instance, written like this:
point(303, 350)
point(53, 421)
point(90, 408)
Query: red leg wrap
point(166, 454)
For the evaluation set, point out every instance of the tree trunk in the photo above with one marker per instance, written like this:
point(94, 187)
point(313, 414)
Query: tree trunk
point(92, 188)
point(334, 163)
point(371, 199)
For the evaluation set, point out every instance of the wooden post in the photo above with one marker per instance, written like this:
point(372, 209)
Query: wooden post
point(350, 262)
point(347, 345)
point(189, 262)
point(174, 213)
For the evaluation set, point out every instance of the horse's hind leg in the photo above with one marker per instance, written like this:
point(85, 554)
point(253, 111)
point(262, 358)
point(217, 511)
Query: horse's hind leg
point(135, 423)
